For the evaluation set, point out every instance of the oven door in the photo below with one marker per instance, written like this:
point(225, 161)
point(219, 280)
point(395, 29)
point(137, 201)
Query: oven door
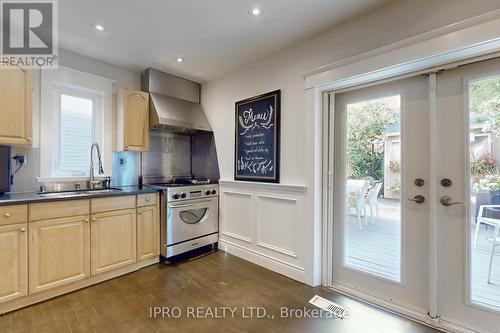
point(192, 219)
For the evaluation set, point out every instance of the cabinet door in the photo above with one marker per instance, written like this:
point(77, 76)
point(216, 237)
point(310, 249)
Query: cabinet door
point(148, 236)
point(113, 237)
point(13, 261)
point(15, 99)
point(136, 106)
point(59, 252)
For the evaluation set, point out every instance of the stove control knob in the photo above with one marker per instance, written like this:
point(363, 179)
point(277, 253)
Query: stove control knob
point(175, 196)
point(214, 192)
point(207, 192)
point(183, 195)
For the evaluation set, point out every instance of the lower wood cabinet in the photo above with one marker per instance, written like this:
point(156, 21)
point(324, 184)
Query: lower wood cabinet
point(13, 261)
point(59, 252)
point(113, 238)
point(147, 232)
point(48, 245)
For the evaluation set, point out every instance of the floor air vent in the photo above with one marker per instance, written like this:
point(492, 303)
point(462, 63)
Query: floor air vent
point(338, 311)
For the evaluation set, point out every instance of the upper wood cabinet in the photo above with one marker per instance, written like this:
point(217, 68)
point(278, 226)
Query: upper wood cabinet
point(15, 106)
point(14, 261)
point(132, 120)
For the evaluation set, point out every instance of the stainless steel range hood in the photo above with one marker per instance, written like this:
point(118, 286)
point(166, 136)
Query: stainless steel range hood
point(175, 103)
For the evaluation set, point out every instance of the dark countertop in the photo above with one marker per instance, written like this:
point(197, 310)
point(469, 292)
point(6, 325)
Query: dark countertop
point(31, 197)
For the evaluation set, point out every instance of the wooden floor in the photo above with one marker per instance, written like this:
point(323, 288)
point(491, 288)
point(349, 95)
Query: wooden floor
point(216, 280)
point(376, 249)
point(483, 293)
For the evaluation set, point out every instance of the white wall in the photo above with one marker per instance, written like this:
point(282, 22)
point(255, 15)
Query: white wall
point(244, 216)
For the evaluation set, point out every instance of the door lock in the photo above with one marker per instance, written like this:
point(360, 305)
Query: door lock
point(447, 201)
point(418, 199)
point(446, 182)
point(419, 182)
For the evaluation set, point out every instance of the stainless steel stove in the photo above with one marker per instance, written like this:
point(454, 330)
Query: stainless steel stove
point(190, 215)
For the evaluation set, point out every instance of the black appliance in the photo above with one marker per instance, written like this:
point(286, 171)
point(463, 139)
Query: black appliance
point(4, 169)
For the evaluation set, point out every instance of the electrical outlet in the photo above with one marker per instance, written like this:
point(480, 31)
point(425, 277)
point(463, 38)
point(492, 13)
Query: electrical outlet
point(20, 159)
point(122, 161)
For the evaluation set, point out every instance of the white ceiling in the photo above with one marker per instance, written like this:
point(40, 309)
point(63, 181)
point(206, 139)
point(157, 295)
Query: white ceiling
point(213, 36)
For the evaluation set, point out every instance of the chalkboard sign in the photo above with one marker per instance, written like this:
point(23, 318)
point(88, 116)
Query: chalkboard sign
point(258, 138)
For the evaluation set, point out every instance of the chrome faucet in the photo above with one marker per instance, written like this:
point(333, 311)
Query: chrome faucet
point(92, 181)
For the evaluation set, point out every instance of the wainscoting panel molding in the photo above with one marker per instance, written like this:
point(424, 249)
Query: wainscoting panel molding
point(236, 207)
point(277, 224)
point(261, 224)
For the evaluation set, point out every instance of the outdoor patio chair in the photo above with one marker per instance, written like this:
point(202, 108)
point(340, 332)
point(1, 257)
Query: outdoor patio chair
point(495, 241)
point(372, 200)
point(356, 191)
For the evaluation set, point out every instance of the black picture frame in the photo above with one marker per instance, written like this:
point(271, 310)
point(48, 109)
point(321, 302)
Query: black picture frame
point(258, 127)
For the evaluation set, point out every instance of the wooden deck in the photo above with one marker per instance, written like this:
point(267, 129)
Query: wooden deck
point(375, 249)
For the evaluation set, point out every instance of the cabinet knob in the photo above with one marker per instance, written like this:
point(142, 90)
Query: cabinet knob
point(94, 219)
point(23, 229)
point(7, 214)
point(139, 212)
point(87, 220)
point(147, 199)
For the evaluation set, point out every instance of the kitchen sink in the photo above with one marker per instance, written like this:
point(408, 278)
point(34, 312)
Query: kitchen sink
point(61, 194)
point(103, 191)
point(77, 193)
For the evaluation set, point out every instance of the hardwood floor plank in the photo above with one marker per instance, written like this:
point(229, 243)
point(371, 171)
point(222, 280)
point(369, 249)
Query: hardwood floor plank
point(216, 280)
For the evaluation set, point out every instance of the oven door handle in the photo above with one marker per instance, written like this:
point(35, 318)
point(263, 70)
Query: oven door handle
point(191, 204)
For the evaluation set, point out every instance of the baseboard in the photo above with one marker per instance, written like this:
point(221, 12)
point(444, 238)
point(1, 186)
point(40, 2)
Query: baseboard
point(61, 290)
point(289, 270)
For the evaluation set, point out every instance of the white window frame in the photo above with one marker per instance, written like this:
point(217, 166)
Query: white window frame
point(55, 82)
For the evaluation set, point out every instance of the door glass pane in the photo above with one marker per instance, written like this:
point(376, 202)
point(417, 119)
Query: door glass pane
point(373, 187)
point(484, 134)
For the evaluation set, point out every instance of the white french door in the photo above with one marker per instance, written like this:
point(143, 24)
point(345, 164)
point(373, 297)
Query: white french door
point(380, 191)
point(416, 195)
point(468, 150)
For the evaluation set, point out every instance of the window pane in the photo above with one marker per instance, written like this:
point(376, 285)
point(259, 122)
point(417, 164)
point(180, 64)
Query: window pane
point(76, 135)
point(373, 187)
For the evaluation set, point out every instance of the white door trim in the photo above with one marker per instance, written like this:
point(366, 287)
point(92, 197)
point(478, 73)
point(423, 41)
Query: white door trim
point(463, 44)
point(433, 237)
point(481, 39)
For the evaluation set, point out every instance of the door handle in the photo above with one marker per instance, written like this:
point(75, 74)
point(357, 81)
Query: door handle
point(447, 201)
point(418, 199)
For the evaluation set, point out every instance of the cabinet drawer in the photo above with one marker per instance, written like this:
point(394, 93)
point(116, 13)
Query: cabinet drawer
point(58, 209)
point(148, 199)
point(112, 203)
point(13, 214)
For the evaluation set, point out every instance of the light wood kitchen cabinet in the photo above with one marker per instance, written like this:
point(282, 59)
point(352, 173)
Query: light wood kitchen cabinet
point(113, 238)
point(16, 101)
point(13, 261)
point(132, 120)
point(148, 237)
point(59, 252)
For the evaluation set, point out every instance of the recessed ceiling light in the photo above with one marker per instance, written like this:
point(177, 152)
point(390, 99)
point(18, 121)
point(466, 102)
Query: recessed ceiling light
point(98, 26)
point(179, 59)
point(255, 11)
